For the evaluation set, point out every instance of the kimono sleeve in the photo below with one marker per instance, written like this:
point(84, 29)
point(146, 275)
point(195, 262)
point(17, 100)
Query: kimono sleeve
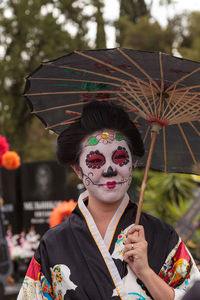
point(179, 270)
point(35, 286)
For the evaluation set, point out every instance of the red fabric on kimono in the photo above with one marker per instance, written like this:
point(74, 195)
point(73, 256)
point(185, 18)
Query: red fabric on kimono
point(178, 270)
point(34, 269)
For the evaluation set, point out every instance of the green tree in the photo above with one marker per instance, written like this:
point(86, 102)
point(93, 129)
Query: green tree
point(137, 29)
point(100, 41)
point(189, 46)
point(130, 11)
point(146, 35)
point(31, 32)
point(134, 9)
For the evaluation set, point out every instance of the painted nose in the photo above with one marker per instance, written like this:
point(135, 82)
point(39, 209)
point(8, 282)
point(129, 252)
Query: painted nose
point(110, 172)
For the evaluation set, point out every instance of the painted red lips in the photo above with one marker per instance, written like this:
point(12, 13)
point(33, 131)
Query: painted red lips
point(111, 184)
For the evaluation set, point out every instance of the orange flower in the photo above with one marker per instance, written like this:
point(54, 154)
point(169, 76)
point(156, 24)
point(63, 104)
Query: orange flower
point(11, 160)
point(61, 212)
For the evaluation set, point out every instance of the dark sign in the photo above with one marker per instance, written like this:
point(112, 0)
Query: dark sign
point(43, 186)
point(11, 210)
point(32, 191)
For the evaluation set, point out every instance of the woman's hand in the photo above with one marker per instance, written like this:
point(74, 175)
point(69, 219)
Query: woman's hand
point(135, 251)
point(135, 254)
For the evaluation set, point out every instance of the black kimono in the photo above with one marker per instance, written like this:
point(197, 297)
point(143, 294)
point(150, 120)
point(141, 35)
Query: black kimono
point(74, 262)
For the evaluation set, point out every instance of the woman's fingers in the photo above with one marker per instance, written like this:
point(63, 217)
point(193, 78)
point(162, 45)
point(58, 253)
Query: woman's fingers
point(131, 246)
point(135, 234)
point(135, 246)
point(135, 250)
point(137, 228)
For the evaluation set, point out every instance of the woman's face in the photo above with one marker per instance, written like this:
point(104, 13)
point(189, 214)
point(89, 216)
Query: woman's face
point(106, 166)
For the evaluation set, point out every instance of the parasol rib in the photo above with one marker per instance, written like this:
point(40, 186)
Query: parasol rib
point(110, 66)
point(71, 105)
point(168, 103)
point(182, 78)
point(190, 87)
point(173, 106)
point(131, 105)
point(195, 129)
point(75, 92)
point(63, 123)
point(179, 111)
point(154, 100)
point(139, 68)
point(188, 114)
point(161, 73)
point(96, 73)
point(184, 117)
point(191, 111)
point(189, 148)
point(78, 80)
point(162, 85)
point(137, 99)
point(148, 101)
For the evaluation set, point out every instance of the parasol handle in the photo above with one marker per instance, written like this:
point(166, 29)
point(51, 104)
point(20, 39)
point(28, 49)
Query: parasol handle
point(144, 181)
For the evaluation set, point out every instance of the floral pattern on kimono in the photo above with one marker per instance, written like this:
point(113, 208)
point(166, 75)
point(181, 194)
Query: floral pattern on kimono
point(35, 284)
point(177, 266)
point(61, 281)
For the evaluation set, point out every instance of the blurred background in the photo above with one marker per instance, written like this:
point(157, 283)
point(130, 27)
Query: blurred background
point(42, 30)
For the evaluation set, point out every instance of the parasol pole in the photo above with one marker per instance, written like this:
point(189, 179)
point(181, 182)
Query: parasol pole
point(154, 131)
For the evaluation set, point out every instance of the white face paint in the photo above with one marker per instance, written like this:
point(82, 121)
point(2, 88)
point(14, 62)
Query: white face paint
point(106, 166)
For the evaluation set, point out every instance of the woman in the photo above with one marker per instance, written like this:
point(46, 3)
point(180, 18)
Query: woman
point(95, 254)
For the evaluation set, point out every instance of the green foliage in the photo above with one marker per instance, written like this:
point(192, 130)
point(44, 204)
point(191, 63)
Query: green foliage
point(146, 35)
point(133, 9)
point(39, 144)
point(130, 13)
point(137, 30)
point(189, 46)
point(167, 196)
point(31, 32)
point(100, 41)
point(194, 245)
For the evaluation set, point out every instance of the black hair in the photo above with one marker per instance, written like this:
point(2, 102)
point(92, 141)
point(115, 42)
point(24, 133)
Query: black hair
point(97, 116)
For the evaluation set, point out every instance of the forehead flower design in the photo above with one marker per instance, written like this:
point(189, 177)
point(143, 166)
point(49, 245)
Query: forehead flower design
point(104, 137)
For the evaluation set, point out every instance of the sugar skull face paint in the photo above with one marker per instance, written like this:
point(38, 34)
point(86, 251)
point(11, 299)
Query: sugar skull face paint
point(106, 168)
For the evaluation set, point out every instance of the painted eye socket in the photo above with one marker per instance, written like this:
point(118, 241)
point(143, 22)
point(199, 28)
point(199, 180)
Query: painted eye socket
point(120, 156)
point(95, 160)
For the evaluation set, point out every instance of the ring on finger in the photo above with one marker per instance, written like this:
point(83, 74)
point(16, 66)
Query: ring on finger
point(132, 246)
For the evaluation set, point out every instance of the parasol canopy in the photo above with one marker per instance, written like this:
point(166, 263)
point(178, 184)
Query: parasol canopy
point(159, 91)
point(154, 87)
